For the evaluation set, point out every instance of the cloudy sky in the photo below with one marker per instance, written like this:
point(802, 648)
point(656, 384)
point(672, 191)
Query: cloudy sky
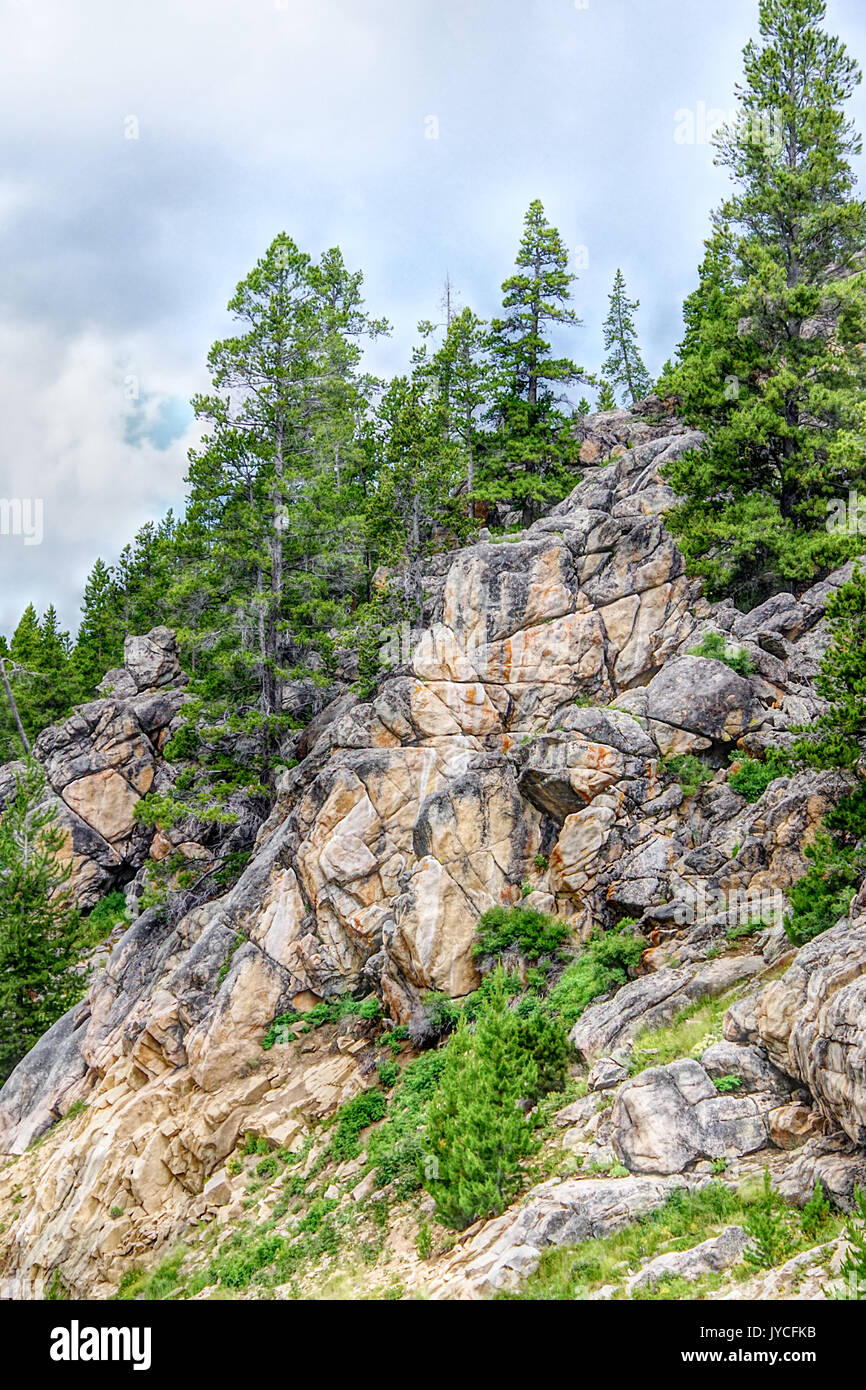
point(151, 151)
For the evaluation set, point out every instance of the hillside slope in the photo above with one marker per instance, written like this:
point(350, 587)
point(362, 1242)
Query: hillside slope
point(516, 754)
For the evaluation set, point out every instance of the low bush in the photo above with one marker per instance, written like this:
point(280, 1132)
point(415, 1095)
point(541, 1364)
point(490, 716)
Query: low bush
point(525, 929)
point(713, 647)
point(351, 1118)
point(603, 964)
point(750, 777)
point(823, 895)
point(769, 1226)
point(688, 770)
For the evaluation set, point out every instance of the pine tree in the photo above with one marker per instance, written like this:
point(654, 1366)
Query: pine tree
point(852, 1271)
point(772, 365)
point(40, 681)
point(279, 471)
point(606, 397)
point(26, 644)
point(836, 739)
point(13, 735)
point(624, 365)
point(99, 645)
point(531, 454)
point(416, 473)
point(537, 295)
point(39, 928)
point(462, 372)
point(476, 1130)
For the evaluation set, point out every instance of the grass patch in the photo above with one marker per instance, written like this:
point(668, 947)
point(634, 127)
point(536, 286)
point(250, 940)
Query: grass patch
point(685, 1220)
point(690, 1033)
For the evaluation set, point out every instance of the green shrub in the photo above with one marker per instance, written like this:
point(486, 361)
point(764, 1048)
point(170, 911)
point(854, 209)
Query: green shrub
point(388, 1073)
point(767, 1223)
point(533, 933)
point(424, 1241)
point(740, 930)
point(255, 1144)
point(183, 745)
point(853, 1268)
point(714, 647)
point(351, 1118)
point(318, 1209)
point(816, 1214)
point(477, 1132)
point(331, 1010)
point(396, 1150)
point(279, 1029)
point(688, 770)
point(750, 777)
point(107, 914)
point(602, 965)
point(823, 895)
point(726, 1084)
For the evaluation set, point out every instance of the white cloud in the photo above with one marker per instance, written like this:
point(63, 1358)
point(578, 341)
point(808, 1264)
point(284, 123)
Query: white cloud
point(65, 410)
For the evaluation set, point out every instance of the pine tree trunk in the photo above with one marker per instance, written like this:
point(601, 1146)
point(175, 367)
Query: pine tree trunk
point(13, 706)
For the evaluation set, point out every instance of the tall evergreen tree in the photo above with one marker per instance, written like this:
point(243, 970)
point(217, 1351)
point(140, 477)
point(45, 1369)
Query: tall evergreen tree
point(538, 294)
point(99, 645)
point(837, 739)
point(772, 365)
point(269, 484)
point(531, 454)
point(460, 376)
point(416, 472)
point(624, 365)
point(40, 942)
point(39, 679)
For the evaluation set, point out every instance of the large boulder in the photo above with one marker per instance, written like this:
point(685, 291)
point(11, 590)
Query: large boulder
point(668, 1118)
point(710, 1257)
point(704, 697)
point(152, 660)
point(558, 1213)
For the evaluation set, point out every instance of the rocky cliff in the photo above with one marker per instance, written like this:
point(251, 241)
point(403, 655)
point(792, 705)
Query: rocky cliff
point(516, 753)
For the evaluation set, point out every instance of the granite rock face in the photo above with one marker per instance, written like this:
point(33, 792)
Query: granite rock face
point(514, 750)
point(812, 1024)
